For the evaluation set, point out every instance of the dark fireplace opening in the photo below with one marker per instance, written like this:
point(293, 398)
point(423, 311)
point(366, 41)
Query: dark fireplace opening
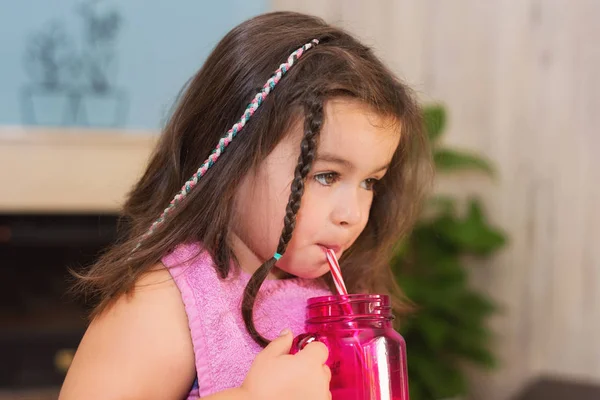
point(41, 323)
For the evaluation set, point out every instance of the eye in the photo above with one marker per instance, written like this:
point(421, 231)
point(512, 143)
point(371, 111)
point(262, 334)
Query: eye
point(369, 184)
point(327, 178)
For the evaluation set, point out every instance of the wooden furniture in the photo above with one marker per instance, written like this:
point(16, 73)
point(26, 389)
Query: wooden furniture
point(60, 191)
point(69, 170)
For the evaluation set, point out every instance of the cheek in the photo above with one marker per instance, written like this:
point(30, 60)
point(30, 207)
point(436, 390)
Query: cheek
point(366, 210)
point(267, 219)
point(260, 210)
point(310, 221)
point(313, 212)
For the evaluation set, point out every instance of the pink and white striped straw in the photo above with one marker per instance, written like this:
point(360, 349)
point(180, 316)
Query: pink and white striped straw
point(336, 272)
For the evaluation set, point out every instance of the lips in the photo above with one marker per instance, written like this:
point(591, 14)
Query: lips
point(335, 247)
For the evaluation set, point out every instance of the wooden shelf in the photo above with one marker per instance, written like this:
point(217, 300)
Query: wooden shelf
point(58, 170)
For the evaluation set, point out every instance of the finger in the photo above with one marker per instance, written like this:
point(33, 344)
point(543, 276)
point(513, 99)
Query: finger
point(327, 373)
point(279, 346)
point(315, 351)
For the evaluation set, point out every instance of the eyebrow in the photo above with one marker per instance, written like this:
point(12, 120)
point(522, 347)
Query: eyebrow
point(326, 157)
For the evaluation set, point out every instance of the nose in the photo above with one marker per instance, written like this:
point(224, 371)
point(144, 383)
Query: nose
point(348, 210)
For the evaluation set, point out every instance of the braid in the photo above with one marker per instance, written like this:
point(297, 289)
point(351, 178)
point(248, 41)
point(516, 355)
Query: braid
point(228, 137)
point(308, 147)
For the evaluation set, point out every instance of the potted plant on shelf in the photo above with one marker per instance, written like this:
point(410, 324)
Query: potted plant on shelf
point(49, 61)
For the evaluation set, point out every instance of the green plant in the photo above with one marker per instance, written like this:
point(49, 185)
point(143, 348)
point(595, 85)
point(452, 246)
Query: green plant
point(448, 327)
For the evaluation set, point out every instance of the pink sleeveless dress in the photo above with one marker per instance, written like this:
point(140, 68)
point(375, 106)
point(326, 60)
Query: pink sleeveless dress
point(223, 349)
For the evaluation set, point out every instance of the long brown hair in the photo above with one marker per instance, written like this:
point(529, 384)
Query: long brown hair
point(212, 101)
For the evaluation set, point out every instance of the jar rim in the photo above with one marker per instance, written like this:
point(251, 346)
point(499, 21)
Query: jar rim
point(347, 298)
point(352, 307)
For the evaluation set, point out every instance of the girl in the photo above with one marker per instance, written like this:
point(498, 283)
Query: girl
point(191, 294)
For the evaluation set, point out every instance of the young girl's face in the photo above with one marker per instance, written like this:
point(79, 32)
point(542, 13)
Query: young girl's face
point(355, 148)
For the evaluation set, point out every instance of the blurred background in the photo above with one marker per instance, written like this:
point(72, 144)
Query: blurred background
point(510, 301)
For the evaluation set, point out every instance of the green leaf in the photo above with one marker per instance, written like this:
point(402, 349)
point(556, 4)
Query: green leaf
point(410, 286)
point(448, 270)
point(475, 210)
point(479, 304)
point(473, 234)
point(447, 160)
point(442, 380)
point(429, 246)
point(434, 330)
point(473, 335)
point(475, 354)
point(435, 121)
point(415, 388)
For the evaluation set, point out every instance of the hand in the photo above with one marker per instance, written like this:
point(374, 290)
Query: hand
point(275, 374)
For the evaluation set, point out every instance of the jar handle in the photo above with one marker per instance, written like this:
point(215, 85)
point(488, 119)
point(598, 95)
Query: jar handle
point(301, 341)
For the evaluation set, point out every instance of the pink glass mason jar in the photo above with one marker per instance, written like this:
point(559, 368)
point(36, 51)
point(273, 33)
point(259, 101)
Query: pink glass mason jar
point(367, 357)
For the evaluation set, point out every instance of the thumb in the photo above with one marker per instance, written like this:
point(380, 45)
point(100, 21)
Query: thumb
point(281, 345)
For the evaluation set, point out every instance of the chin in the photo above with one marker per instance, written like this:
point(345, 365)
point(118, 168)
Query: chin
point(307, 264)
point(311, 272)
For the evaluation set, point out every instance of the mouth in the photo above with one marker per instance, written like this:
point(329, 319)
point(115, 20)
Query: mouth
point(336, 248)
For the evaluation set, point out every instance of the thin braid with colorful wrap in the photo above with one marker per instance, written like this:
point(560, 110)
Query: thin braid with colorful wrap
point(312, 127)
point(230, 135)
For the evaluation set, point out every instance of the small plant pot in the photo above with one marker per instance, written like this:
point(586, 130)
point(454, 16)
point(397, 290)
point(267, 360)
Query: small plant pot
point(106, 108)
point(48, 106)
